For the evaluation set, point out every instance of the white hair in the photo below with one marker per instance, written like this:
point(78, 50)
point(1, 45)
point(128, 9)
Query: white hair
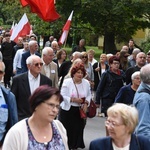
point(30, 59)
point(32, 43)
point(46, 50)
point(137, 73)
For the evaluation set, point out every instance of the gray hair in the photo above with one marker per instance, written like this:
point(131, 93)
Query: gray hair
point(31, 58)
point(137, 73)
point(46, 50)
point(32, 42)
point(145, 74)
point(136, 51)
point(77, 54)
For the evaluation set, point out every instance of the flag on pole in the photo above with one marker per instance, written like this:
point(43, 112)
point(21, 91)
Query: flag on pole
point(44, 9)
point(66, 29)
point(22, 28)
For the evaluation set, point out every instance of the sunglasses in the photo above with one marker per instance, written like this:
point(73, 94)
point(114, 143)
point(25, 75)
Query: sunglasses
point(1, 72)
point(84, 56)
point(38, 64)
point(125, 56)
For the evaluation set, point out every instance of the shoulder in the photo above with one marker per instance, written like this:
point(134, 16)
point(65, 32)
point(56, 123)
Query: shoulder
point(68, 81)
point(26, 53)
point(53, 64)
point(101, 142)
point(19, 127)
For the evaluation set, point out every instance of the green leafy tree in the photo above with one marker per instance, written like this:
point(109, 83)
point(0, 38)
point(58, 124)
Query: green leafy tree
point(116, 20)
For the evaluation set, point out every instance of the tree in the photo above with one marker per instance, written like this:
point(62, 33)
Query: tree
point(116, 20)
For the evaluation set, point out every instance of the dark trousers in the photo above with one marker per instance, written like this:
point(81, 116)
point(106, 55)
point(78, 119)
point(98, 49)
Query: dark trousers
point(8, 71)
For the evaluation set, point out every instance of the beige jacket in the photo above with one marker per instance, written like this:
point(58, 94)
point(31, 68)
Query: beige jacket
point(53, 73)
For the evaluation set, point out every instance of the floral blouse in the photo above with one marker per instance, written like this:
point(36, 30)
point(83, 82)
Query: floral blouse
point(56, 142)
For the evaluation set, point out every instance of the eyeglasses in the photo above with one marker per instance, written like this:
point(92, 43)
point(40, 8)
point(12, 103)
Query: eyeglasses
point(113, 124)
point(137, 78)
point(38, 64)
point(1, 72)
point(52, 106)
point(84, 56)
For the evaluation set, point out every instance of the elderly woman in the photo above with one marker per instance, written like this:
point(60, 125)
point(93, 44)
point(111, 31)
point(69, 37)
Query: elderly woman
point(73, 90)
point(121, 122)
point(40, 131)
point(61, 57)
point(127, 92)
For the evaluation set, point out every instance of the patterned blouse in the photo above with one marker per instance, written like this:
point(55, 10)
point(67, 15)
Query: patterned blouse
point(56, 142)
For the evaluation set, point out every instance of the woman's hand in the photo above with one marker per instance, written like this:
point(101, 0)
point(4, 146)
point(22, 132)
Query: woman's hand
point(84, 107)
point(77, 100)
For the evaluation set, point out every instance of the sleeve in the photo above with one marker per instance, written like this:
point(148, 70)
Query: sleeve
point(100, 87)
point(66, 87)
point(23, 64)
point(120, 96)
point(15, 60)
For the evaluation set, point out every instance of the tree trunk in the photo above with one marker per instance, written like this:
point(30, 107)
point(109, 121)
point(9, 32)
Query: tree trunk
point(109, 43)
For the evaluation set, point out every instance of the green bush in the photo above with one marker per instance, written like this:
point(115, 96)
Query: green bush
point(146, 45)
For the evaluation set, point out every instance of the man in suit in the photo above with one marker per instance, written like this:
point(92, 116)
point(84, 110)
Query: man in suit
point(49, 67)
point(24, 85)
point(8, 108)
point(33, 47)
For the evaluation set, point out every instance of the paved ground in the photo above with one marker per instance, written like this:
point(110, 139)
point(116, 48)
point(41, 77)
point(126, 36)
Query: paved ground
point(94, 129)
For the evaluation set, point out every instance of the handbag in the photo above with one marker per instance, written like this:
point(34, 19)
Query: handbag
point(82, 113)
point(91, 110)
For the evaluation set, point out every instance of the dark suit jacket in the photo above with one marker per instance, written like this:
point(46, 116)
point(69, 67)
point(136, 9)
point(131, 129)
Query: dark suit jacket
point(21, 89)
point(139, 143)
point(23, 60)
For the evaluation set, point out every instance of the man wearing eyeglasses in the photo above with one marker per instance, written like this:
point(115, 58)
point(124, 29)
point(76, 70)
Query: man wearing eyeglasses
point(24, 85)
point(8, 108)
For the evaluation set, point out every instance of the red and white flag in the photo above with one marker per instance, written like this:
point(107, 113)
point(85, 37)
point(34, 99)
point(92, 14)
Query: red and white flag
point(22, 29)
point(66, 29)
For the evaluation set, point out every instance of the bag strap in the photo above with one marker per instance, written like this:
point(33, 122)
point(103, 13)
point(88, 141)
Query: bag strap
point(98, 72)
point(76, 88)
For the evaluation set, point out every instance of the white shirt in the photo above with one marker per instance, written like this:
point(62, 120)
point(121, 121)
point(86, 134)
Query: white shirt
point(47, 70)
point(122, 148)
point(17, 59)
point(33, 82)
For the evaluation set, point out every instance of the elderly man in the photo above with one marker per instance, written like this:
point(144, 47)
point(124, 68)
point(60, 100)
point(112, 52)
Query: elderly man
point(33, 47)
point(8, 108)
point(49, 68)
point(140, 62)
point(142, 102)
point(24, 85)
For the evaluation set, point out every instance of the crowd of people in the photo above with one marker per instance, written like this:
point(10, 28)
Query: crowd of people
point(44, 92)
